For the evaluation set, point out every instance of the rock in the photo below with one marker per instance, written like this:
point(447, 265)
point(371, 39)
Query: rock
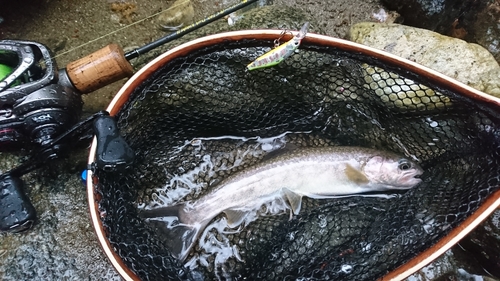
point(486, 29)
point(490, 82)
point(468, 63)
point(472, 65)
point(125, 10)
point(56, 44)
point(483, 245)
point(447, 268)
point(179, 14)
point(471, 20)
point(437, 15)
point(387, 17)
point(62, 244)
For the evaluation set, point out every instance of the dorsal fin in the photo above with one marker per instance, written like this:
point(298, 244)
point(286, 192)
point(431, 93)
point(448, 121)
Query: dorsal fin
point(355, 175)
point(235, 217)
point(293, 199)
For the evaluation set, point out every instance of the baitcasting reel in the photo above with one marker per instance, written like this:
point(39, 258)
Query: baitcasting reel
point(40, 107)
point(39, 110)
point(35, 106)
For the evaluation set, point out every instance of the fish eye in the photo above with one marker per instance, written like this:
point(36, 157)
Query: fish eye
point(404, 165)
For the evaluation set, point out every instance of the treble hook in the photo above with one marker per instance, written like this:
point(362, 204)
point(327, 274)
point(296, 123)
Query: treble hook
point(277, 41)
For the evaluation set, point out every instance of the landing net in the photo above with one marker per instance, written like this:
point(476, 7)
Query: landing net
point(203, 117)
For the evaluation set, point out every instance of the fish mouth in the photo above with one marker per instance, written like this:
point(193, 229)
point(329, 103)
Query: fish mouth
point(410, 179)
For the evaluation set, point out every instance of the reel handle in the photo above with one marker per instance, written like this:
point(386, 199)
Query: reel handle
point(16, 211)
point(99, 69)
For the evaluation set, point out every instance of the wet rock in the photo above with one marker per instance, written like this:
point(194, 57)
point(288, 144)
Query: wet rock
point(481, 248)
point(468, 63)
point(9, 161)
point(447, 268)
point(335, 17)
point(472, 20)
point(238, 15)
point(486, 30)
point(179, 14)
point(437, 15)
point(62, 244)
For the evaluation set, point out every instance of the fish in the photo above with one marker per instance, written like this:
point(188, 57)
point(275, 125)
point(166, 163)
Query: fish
point(278, 54)
point(316, 172)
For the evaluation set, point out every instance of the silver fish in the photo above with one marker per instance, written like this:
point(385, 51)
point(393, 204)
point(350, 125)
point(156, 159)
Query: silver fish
point(322, 172)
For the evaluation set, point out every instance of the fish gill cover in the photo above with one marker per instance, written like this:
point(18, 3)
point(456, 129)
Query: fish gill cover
point(204, 117)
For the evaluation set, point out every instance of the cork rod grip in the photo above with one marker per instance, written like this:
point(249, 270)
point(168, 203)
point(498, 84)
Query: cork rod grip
point(99, 69)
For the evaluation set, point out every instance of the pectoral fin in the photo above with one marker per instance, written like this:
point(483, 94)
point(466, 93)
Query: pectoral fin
point(355, 175)
point(235, 217)
point(294, 200)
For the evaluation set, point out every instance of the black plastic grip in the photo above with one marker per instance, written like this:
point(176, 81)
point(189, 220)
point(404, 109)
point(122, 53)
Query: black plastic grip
point(113, 152)
point(16, 211)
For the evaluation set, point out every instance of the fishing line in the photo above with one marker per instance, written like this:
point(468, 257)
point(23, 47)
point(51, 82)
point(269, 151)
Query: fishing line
point(148, 47)
point(119, 29)
point(135, 53)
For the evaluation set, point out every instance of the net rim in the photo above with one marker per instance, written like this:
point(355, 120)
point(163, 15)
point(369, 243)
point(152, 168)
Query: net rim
point(424, 258)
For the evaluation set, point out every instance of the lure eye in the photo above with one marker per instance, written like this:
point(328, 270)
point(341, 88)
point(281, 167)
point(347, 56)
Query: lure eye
point(404, 165)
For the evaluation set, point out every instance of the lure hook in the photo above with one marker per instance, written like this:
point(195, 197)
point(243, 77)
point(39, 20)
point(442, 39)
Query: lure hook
point(280, 52)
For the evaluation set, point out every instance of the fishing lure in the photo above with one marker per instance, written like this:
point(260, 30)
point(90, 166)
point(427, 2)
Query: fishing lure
point(281, 52)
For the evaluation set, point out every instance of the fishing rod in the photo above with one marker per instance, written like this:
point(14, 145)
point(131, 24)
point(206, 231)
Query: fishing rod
point(110, 64)
point(146, 48)
point(40, 106)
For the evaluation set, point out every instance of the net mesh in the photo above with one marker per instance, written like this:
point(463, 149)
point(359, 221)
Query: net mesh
point(204, 117)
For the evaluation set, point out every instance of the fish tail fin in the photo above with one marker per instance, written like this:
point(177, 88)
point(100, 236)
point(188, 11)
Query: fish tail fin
point(179, 238)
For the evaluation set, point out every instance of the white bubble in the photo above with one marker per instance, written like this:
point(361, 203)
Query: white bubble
point(346, 268)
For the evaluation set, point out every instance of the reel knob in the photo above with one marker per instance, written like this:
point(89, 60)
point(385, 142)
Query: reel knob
point(17, 213)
